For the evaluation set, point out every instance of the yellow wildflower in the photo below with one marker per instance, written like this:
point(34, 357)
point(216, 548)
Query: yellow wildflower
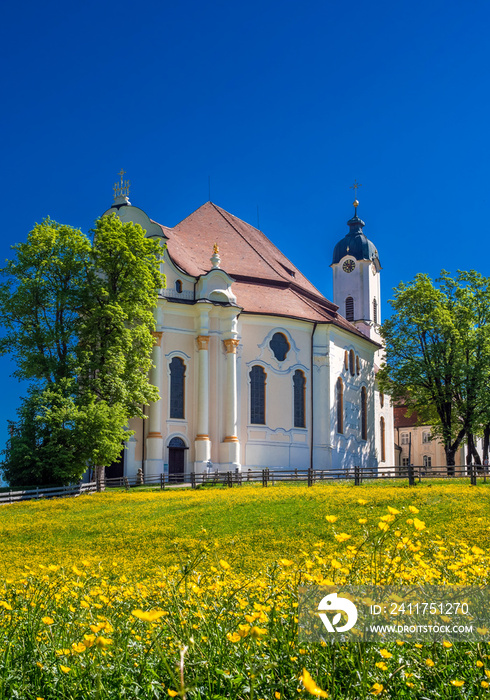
point(385, 654)
point(393, 511)
point(362, 521)
point(47, 620)
point(311, 686)
point(418, 524)
point(429, 662)
point(457, 684)
point(342, 537)
point(148, 615)
point(103, 642)
point(361, 501)
point(65, 669)
point(413, 509)
point(377, 688)
point(224, 564)
point(331, 518)
point(233, 637)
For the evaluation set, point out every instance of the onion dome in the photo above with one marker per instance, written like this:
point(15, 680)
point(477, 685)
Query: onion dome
point(355, 243)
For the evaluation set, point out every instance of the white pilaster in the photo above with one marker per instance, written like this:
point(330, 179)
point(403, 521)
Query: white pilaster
point(202, 441)
point(154, 439)
point(230, 447)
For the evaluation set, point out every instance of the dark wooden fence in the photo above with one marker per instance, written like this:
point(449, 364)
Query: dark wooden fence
point(266, 477)
point(11, 496)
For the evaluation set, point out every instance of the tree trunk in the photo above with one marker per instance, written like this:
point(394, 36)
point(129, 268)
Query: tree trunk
point(486, 440)
point(450, 461)
point(472, 451)
point(100, 478)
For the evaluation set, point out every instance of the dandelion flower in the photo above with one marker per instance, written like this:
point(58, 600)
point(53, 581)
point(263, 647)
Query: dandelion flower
point(413, 509)
point(47, 620)
point(331, 518)
point(393, 511)
point(362, 521)
point(361, 501)
point(418, 524)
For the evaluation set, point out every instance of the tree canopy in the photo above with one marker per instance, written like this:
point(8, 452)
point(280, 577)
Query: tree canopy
point(78, 318)
point(438, 354)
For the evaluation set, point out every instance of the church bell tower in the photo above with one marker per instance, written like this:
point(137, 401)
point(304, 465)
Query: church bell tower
point(356, 284)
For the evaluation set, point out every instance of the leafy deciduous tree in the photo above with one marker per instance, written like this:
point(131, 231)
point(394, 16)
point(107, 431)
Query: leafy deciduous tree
point(78, 320)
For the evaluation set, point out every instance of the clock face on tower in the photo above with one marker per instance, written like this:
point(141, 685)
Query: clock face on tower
point(349, 266)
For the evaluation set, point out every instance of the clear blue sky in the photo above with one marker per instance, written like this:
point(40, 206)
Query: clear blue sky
point(283, 104)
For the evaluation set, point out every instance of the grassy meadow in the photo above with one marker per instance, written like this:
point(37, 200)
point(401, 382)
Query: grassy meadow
point(150, 594)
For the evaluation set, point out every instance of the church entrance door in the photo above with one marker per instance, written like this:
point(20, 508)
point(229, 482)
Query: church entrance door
point(176, 459)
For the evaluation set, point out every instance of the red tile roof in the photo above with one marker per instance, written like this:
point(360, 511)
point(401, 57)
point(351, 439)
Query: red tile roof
point(266, 282)
point(401, 420)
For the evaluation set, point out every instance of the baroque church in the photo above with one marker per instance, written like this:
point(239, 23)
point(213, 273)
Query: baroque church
point(254, 366)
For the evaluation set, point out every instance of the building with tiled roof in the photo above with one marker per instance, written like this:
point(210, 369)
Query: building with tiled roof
point(255, 367)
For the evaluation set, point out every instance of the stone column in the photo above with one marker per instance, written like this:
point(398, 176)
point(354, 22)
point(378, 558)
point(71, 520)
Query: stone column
point(154, 439)
point(202, 441)
point(231, 445)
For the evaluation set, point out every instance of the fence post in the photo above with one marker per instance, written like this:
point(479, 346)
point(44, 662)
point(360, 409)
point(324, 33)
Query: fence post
point(162, 482)
point(295, 473)
point(193, 480)
point(126, 483)
point(356, 475)
point(411, 479)
point(10, 495)
point(248, 475)
point(310, 476)
point(473, 474)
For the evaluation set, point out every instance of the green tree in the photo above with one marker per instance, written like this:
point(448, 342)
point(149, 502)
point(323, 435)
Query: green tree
point(437, 353)
point(78, 320)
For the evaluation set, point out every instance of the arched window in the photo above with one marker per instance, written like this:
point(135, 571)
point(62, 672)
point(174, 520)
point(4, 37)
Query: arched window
point(299, 382)
point(177, 386)
point(349, 309)
point(339, 399)
point(352, 360)
point(257, 395)
point(178, 286)
point(358, 365)
point(346, 360)
point(363, 413)
point(382, 433)
point(381, 399)
point(178, 443)
point(375, 311)
point(279, 346)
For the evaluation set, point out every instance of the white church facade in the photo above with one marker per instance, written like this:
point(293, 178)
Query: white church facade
point(254, 366)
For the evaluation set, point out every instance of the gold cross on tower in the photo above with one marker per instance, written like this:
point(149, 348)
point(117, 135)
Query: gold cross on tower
point(354, 187)
point(121, 189)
